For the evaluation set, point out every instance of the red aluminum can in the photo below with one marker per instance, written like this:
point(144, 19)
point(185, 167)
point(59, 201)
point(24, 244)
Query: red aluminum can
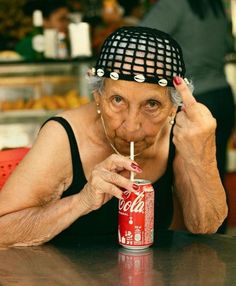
point(136, 217)
point(135, 268)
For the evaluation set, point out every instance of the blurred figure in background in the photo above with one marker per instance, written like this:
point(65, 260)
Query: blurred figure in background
point(115, 14)
point(133, 11)
point(202, 29)
point(55, 16)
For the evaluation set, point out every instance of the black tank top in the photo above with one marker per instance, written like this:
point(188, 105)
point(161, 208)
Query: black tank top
point(104, 220)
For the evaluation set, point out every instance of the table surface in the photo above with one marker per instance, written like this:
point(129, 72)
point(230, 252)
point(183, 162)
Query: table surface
point(176, 258)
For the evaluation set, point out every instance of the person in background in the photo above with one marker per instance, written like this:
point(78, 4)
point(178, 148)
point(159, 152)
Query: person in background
point(202, 29)
point(70, 180)
point(115, 14)
point(133, 11)
point(55, 15)
point(111, 19)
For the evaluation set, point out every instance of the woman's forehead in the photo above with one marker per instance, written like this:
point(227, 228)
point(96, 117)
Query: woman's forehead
point(124, 87)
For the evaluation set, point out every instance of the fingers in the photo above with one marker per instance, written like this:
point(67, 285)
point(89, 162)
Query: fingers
point(110, 183)
point(185, 93)
point(106, 187)
point(105, 180)
point(117, 163)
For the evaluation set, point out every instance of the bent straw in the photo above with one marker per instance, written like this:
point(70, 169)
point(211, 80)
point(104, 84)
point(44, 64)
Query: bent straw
point(132, 158)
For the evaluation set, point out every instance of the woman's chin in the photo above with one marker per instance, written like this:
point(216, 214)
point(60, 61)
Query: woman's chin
point(139, 147)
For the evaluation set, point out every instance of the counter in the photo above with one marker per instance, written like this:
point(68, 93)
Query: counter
point(176, 258)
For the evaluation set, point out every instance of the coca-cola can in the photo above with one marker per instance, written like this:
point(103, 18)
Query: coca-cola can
point(135, 267)
point(136, 217)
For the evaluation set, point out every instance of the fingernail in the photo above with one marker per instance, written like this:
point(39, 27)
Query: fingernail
point(135, 187)
point(136, 167)
point(177, 80)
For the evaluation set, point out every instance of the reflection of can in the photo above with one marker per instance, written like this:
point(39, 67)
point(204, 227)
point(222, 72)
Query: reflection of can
point(136, 217)
point(135, 267)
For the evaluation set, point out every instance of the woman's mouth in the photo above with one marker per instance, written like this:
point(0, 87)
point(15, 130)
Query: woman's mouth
point(124, 146)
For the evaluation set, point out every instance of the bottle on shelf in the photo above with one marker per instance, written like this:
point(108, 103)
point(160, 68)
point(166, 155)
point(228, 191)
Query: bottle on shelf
point(80, 40)
point(62, 46)
point(37, 35)
point(50, 43)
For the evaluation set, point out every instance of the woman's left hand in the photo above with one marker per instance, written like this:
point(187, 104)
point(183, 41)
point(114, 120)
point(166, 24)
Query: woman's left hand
point(198, 186)
point(194, 131)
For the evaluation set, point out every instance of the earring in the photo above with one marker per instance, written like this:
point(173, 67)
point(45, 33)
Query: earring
point(172, 120)
point(98, 110)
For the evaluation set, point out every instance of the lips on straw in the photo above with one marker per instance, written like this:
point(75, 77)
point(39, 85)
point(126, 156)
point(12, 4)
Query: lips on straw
point(132, 158)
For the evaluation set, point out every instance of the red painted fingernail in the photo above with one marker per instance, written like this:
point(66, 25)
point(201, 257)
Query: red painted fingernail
point(177, 80)
point(135, 187)
point(136, 167)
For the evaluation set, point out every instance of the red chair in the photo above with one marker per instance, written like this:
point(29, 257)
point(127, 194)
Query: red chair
point(9, 159)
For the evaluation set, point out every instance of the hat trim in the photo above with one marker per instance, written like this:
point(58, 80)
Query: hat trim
point(130, 77)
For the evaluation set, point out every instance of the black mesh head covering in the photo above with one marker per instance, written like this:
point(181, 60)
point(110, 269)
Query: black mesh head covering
point(140, 54)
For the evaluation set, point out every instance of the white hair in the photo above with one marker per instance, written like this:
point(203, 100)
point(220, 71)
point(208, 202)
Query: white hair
point(97, 84)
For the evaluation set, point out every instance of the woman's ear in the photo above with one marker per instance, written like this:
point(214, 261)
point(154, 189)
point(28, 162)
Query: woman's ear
point(173, 111)
point(96, 96)
point(172, 116)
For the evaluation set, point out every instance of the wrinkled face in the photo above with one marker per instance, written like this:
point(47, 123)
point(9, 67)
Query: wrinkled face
point(58, 20)
point(134, 112)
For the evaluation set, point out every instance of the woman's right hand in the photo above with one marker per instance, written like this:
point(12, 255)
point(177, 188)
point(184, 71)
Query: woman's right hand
point(105, 181)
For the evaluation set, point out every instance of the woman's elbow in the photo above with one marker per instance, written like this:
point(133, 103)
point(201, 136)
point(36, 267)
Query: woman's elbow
point(208, 224)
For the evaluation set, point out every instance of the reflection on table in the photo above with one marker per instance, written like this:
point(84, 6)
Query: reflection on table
point(177, 258)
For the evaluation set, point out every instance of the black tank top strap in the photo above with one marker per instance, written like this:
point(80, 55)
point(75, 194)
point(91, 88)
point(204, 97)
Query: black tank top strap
point(75, 156)
point(171, 153)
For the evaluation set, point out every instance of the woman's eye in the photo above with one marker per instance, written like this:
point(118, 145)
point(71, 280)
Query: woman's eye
point(117, 99)
point(152, 104)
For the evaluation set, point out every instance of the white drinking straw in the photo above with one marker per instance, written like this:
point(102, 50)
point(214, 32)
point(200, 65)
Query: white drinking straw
point(132, 158)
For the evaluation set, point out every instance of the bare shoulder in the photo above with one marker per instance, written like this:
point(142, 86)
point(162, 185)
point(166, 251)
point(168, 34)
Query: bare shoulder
point(43, 175)
point(85, 113)
point(89, 135)
point(53, 140)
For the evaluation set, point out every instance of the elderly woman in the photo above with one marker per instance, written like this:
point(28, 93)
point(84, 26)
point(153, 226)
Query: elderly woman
point(71, 179)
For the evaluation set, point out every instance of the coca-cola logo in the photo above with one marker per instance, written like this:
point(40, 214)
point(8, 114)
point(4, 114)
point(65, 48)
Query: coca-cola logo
point(135, 206)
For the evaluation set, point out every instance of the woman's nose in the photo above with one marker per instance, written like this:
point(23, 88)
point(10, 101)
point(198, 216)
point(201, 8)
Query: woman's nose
point(132, 121)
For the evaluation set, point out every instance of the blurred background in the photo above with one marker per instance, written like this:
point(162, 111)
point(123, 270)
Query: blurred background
point(104, 16)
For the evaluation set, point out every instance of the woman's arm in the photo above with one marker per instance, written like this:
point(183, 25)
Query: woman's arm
point(198, 185)
point(39, 224)
point(201, 195)
point(31, 209)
